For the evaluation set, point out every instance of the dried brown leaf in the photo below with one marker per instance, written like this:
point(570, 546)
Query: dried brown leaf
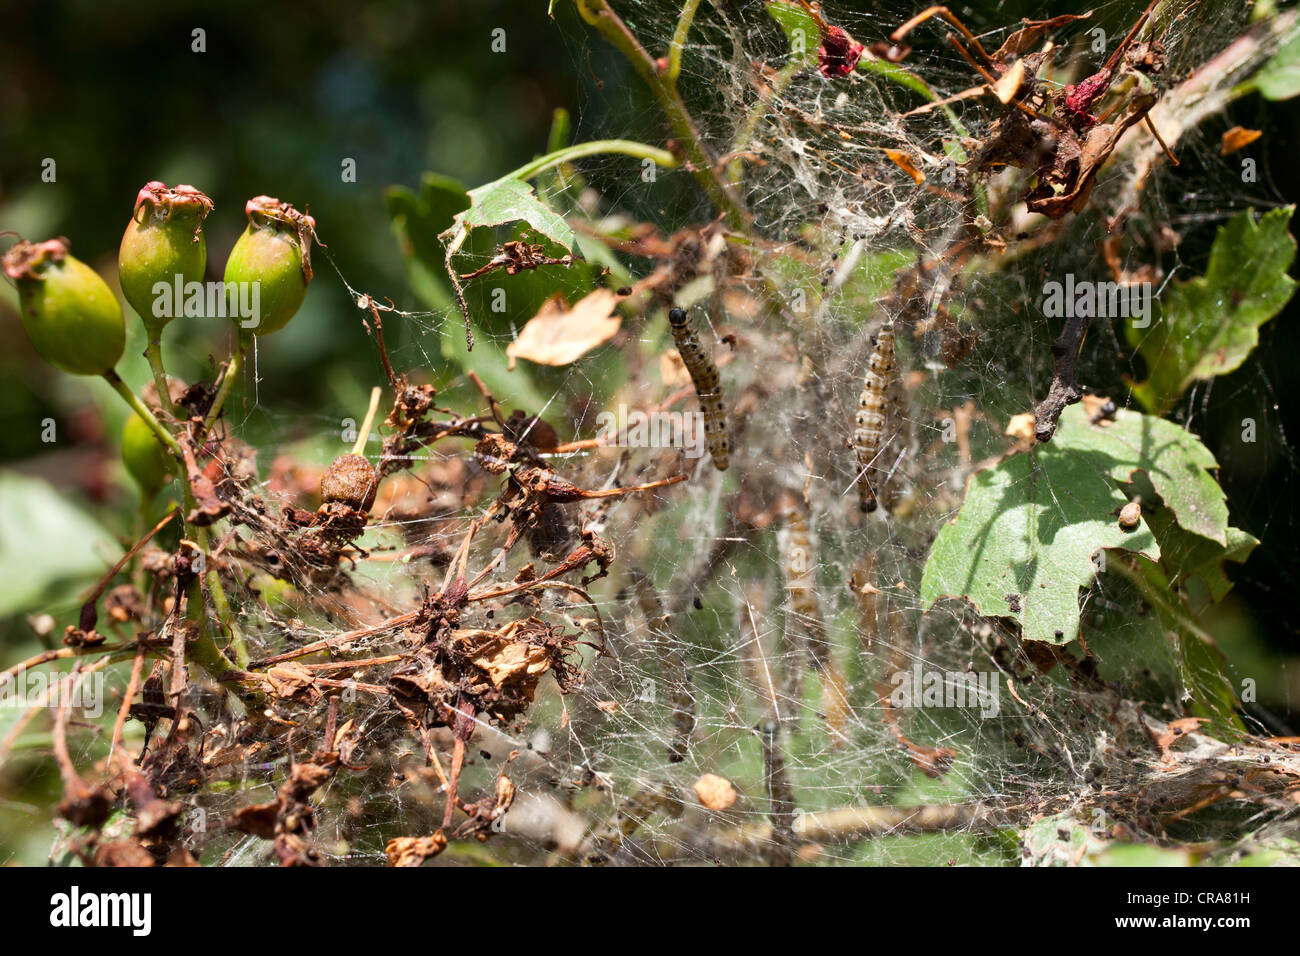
point(123, 853)
point(1176, 730)
point(506, 661)
point(413, 851)
point(1008, 83)
point(1028, 36)
point(560, 335)
point(257, 819)
point(904, 161)
point(1237, 138)
point(292, 682)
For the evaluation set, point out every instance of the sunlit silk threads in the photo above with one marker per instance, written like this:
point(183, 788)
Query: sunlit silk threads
point(704, 376)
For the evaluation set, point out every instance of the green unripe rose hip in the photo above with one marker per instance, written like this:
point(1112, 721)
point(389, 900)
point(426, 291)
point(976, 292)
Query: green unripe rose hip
point(275, 252)
point(164, 240)
point(71, 315)
point(144, 456)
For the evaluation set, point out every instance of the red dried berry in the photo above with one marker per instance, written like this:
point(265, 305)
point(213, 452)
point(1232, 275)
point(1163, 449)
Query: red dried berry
point(838, 54)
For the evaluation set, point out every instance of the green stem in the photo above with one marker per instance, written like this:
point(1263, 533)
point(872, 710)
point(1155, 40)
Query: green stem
point(153, 355)
point(596, 147)
point(142, 410)
point(679, 39)
point(745, 135)
point(207, 654)
point(223, 391)
point(599, 14)
point(219, 601)
point(204, 651)
point(909, 80)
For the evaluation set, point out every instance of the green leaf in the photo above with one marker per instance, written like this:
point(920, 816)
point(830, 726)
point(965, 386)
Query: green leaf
point(511, 200)
point(1143, 855)
point(421, 217)
point(1202, 667)
point(1279, 79)
point(561, 128)
point(506, 200)
point(1172, 457)
point(1022, 544)
point(1189, 558)
point(49, 547)
point(1208, 325)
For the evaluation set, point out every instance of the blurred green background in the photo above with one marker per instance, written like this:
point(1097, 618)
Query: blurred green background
point(286, 92)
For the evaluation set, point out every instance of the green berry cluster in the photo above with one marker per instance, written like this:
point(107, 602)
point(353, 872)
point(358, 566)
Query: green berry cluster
point(75, 322)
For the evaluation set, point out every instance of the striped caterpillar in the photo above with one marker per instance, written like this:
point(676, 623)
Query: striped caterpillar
point(806, 630)
point(878, 395)
point(704, 376)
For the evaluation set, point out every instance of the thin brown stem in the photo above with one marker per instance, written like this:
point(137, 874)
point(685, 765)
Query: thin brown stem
point(132, 685)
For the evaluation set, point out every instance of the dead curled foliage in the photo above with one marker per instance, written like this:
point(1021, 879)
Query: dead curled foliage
point(454, 668)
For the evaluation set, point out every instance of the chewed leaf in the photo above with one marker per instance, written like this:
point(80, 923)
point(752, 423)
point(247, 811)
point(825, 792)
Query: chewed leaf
point(512, 200)
point(1208, 325)
point(496, 204)
point(1022, 545)
point(1171, 456)
point(560, 335)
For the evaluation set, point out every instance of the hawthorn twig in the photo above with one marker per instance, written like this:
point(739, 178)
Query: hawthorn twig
point(45, 657)
point(334, 643)
point(780, 796)
point(675, 670)
point(1065, 388)
point(137, 667)
point(369, 302)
